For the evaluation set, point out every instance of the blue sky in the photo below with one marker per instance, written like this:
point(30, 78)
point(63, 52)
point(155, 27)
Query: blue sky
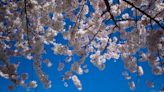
point(109, 80)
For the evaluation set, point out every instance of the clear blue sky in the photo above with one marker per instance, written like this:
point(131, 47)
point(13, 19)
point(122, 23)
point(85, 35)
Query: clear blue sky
point(109, 80)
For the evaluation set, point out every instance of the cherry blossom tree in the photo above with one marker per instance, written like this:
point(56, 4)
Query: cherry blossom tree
point(26, 26)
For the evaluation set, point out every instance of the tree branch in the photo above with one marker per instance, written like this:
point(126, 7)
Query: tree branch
point(27, 28)
point(156, 21)
point(108, 9)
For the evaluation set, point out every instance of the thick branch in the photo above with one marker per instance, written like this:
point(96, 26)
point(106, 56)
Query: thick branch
point(27, 28)
point(108, 9)
point(107, 5)
point(156, 21)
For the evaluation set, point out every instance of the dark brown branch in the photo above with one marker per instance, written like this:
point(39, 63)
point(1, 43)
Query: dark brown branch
point(92, 39)
point(27, 28)
point(78, 18)
point(158, 13)
point(108, 9)
point(156, 21)
point(129, 19)
point(107, 5)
